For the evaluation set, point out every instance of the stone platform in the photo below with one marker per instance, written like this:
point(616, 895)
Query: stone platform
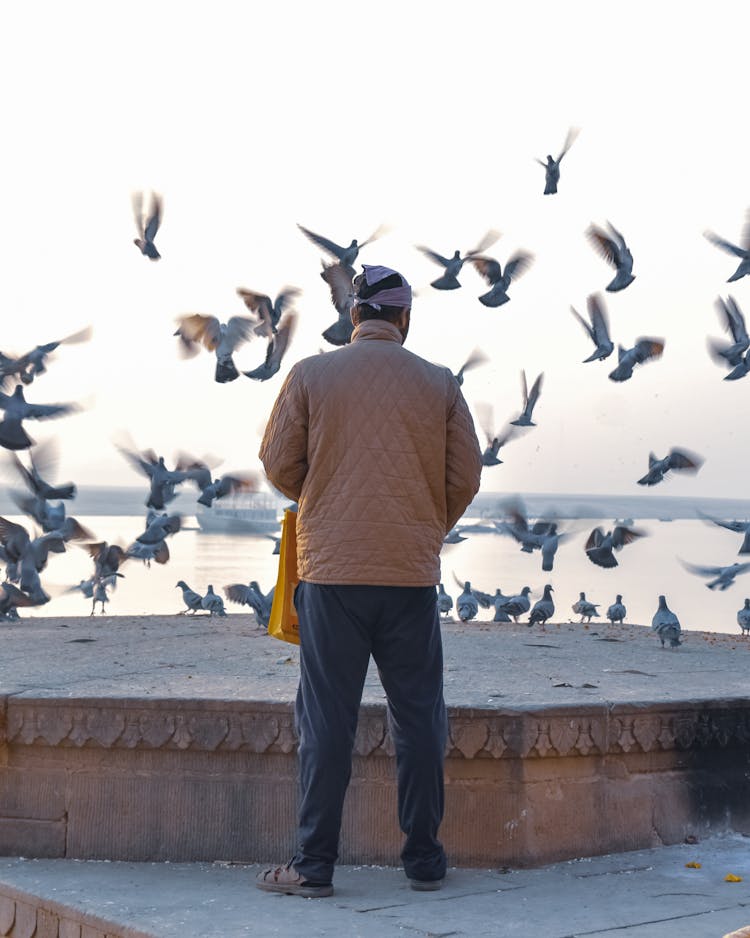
point(171, 738)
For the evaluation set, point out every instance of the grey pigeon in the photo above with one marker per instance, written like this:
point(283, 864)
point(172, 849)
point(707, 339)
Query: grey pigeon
point(454, 264)
point(147, 222)
point(193, 601)
point(529, 401)
point(542, 535)
point(740, 369)
point(598, 331)
point(34, 362)
point(17, 409)
point(552, 165)
point(43, 460)
point(211, 488)
point(499, 279)
point(252, 595)
point(477, 357)
point(739, 527)
point(99, 595)
point(734, 323)
point(159, 525)
point(612, 247)
point(644, 350)
point(162, 481)
point(676, 459)
point(221, 338)
point(11, 598)
point(498, 601)
point(158, 551)
point(721, 577)
point(275, 350)
point(454, 536)
point(666, 625)
point(346, 256)
point(444, 601)
point(584, 608)
point(617, 612)
point(467, 606)
point(107, 557)
point(495, 440)
point(515, 606)
point(743, 618)
point(600, 547)
point(339, 281)
point(213, 603)
point(543, 609)
point(268, 312)
point(742, 251)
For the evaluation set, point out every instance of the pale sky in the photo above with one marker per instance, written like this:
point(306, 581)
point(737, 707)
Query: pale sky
point(426, 117)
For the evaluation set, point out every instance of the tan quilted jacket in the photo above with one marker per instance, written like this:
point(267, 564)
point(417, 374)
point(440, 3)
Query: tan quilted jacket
point(379, 449)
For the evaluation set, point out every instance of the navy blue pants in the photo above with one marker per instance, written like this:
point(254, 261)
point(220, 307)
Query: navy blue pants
point(340, 627)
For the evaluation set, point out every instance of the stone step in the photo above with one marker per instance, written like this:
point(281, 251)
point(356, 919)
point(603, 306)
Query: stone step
point(643, 894)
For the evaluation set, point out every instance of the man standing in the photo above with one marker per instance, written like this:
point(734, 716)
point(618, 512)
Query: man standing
point(378, 448)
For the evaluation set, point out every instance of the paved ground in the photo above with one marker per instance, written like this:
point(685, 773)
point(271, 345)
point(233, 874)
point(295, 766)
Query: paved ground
point(503, 666)
point(645, 894)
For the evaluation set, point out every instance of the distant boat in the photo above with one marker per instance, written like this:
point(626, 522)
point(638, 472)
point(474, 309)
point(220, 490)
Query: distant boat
point(243, 513)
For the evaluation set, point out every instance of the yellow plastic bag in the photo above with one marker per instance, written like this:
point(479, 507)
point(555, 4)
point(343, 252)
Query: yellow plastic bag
point(283, 622)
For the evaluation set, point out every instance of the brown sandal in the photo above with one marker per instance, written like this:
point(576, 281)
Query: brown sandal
point(287, 880)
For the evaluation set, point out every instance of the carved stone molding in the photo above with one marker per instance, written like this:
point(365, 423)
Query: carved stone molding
point(269, 728)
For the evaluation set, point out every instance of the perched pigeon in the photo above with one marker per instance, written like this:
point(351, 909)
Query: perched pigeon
point(643, 350)
point(467, 606)
point(723, 577)
point(585, 609)
point(741, 251)
point(221, 338)
point(17, 409)
point(498, 601)
point(147, 224)
point(453, 265)
point(734, 323)
point(193, 601)
point(552, 166)
point(617, 612)
point(252, 595)
point(213, 603)
point(516, 606)
point(543, 608)
point(600, 546)
point(675, 459)
point(598, 331)
point(499, 279)
point(529, 401)
point(339, 281)
point(444, 601)
point(346, 256)
point(277, 346)
point(666, 625)
point(269, 312)
point(743, 618)
point(614, 250)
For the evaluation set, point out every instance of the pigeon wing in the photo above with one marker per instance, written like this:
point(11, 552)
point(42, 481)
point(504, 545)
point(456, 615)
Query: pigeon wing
point(335, 250)
point(152, 226)
point(724, 245)
point(488, 268)
point(646, 348)
point(518, 264)
point(603, 244)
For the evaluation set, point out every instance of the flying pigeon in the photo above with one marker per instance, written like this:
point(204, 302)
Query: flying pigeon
point(723, 577)
point(499, 279)
point(218, 337)
point(666, 625)
point(543, 608)
point(600, 547)
point(277, 346)
point(33, 362)
point(147, 224)
point(552, 166)
point(741, 251)
point(453, 265)
point(739, 527)
point(643, 350)
point(17, 409)
point(346, 256)
point(734, 323)
point(162, 480)
point(598, 331)
point(529, 401)
point(617, 612)
point(340, 284)
point(495, 440)
point(614, 250)
point(11, 598)
point(477, 357)
point(268, 312)
point(676, 459)
point(211, 489)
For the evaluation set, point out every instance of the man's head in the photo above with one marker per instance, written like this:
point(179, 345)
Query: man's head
point(382, 293)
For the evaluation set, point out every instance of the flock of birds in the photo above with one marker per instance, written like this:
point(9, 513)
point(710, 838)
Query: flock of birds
point(25, 553)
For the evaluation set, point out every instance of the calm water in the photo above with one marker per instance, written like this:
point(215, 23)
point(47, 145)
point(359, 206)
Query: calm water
point(647, 568)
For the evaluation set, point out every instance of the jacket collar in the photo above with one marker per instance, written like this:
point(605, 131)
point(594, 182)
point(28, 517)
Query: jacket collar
point(377, 329)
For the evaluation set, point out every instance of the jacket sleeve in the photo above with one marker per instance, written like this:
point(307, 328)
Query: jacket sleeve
point(283, 451)
point(463, 461)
